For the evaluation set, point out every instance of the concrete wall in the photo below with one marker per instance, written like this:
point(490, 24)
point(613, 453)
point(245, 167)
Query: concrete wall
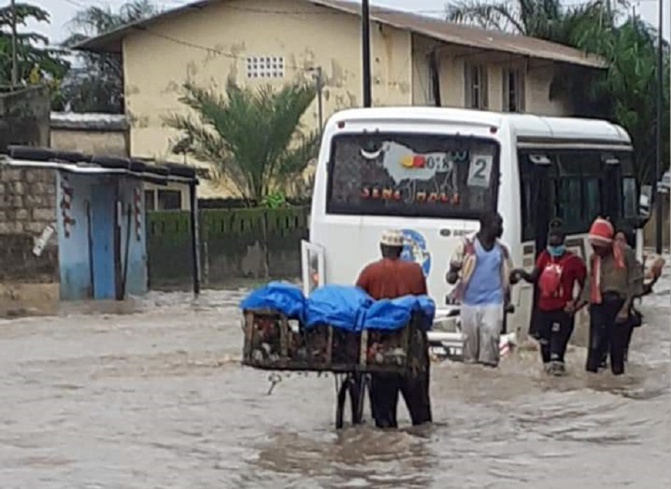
point(95, 134)
point(27, 197)
point(73, 234)
point(26, 113)
point(236, 244)
point(73, 252)
point(90, 142)
point(131, 194)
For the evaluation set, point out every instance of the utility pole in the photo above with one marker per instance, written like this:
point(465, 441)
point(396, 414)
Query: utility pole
point(319, 79)
point(15, 74)
point(659, 207)
point(365, 46)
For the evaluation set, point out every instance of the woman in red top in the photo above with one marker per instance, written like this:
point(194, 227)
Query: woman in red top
point(556, 274)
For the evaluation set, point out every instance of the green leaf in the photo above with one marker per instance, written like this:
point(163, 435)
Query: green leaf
point(253, 138)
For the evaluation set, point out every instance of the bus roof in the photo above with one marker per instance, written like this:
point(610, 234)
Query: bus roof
point(525, 126)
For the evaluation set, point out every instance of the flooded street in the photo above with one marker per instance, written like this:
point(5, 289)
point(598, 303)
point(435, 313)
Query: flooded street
point(155, 399)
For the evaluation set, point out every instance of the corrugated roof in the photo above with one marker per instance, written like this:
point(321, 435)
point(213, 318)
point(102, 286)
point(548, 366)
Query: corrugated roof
point(74, 162)
point(437, 29)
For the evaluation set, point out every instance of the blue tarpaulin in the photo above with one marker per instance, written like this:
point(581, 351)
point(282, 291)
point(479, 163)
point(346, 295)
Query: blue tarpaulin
point(338, 306)
point(428, 309)
point(391, 314)
point(279, 296)
point(344, 307)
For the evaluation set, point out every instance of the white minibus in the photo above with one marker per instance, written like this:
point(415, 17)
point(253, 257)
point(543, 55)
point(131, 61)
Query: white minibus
point(432, 172)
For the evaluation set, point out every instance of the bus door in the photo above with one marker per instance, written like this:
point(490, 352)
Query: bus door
point(541, 190)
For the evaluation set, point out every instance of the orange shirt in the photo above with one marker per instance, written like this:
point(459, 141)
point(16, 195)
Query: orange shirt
point(392, 278)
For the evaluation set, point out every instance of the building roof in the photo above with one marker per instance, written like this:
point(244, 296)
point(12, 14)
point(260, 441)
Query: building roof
point(447, 32)
point(72, 162)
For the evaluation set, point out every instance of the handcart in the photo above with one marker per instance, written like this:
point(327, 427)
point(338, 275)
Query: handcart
point(272, 341)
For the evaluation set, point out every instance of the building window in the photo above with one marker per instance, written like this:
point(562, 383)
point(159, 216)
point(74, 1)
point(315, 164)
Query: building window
point(169, 200)
point(476, 86)
point(513, 90)
point(265, 67)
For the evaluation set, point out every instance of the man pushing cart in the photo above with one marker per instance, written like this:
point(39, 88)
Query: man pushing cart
point(371, 334)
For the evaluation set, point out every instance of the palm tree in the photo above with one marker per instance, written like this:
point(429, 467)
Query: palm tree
point(543, 19)
point(98, 86)
point(95, 20)
point(253, 138)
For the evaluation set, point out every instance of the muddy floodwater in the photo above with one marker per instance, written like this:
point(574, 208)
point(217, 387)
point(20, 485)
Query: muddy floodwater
point(151, 396)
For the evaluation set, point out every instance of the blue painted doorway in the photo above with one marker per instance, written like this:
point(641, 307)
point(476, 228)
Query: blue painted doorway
point(102, 237)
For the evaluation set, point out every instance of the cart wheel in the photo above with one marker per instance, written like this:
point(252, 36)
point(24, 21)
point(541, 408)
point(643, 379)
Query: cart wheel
point(354, 387)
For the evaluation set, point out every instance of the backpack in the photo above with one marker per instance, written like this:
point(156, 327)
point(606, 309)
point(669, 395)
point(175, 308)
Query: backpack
point(549, 282)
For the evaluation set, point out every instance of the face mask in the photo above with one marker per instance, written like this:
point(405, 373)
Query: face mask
point(556, 251)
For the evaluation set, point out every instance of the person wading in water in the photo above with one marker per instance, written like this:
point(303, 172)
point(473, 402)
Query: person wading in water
point(481, 269)
point(390, 278)
point(557, 272)
point(626, 236)
point(615, 278)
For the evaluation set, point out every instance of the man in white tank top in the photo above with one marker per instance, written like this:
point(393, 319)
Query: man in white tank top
point(482, 267)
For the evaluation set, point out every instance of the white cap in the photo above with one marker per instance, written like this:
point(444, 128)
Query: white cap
point(392, 237)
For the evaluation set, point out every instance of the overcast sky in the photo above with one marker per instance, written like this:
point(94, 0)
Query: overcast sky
point(62, 11)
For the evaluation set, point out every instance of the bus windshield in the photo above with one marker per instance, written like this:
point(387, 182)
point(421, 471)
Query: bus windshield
point(413, 175)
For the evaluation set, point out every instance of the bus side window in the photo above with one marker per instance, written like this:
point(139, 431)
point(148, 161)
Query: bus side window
point(630, 190)
point(630, 197)
point(579, 196)
point(527, 210)
point(568, 199)
point(527, 198)
point(592, 198)
point(534, 165)
point(576, 190)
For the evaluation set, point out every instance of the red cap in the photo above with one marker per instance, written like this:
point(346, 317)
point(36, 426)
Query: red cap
point(602, 231)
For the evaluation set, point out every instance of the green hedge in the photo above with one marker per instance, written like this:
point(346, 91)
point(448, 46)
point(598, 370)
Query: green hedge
point(228, 222)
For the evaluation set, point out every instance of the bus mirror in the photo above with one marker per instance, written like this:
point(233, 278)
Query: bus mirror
point(540, 160)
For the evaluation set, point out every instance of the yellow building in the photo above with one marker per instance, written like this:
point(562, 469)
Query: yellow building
point(415, 61)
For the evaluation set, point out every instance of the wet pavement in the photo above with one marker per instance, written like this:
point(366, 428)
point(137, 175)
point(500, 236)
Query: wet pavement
point(151, 396)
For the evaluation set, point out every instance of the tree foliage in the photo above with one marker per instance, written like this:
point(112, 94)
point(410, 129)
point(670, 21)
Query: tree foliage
point(253, 138)
point(544, 19)
point(37, 61)
point(630, 88)
point(624, 93)
point(99, 85)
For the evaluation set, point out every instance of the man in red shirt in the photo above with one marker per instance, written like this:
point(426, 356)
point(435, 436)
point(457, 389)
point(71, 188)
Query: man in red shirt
point(556, 274)
point(390, 278)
